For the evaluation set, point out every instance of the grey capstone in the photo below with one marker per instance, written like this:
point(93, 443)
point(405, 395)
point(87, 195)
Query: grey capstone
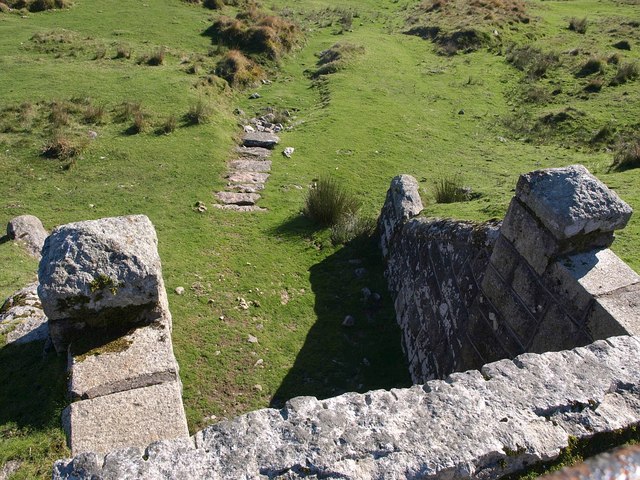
point(570, 201)
point(93, 265)
point(471, 425)
point(29, 231)
point(260, 139)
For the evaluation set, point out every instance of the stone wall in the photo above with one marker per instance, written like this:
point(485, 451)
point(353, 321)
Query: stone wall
point(478, 424)
point(101, 288)
point(467, 294)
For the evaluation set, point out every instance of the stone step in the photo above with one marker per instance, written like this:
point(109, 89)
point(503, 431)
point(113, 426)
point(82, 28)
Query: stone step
point(251, 165)
point(247, 177)
point(246, 188)
point(260, 139)
point(253, 152)
point(240, 208)
point(133, 418)
point(237, 198)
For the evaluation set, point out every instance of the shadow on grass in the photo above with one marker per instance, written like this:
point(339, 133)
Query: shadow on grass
point(32, 392)
point(335, 358)
point(296, 226)
point(4, 239)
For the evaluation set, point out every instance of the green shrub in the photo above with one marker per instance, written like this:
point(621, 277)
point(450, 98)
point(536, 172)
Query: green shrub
point(578, 25)
point(327, 202)
point(451, 190)
point(626, 72)
point(627, 155)
point(350, 227)
point(531, 60)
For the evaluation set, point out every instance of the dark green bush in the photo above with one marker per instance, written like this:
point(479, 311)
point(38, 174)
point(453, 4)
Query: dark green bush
point(327, 202)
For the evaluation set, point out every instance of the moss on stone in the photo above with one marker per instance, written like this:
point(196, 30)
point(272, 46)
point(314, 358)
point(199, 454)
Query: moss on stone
point(115, 346)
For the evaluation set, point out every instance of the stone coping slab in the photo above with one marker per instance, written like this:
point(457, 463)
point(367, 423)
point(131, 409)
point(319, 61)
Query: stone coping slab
point(472, 425)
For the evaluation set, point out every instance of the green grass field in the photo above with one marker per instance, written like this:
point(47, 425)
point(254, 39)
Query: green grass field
point(396, 108)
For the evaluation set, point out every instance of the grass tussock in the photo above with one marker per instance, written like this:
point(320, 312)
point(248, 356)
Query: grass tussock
point(626, 73)
point(464, 25)
point(126, 111)
point(328, 202)
point(154, 59)
point(199, 113)
point(351, 227)
point(123, 51)
point(239, 70)
point(336, 58)
point(62, 147)
point(627, 154)
point(578, 25)
point(94, 114)
point(531, 60)
point(451, 190)
point(169, 125)
point(590, 67)
point(256, 34)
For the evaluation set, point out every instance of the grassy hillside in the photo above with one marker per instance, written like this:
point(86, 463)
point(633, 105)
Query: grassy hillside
point(398, 105)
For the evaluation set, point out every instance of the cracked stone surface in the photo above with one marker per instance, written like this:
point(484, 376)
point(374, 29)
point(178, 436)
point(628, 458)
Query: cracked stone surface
point(250, 165)
point(258, 152)
point(235, 198)
point(247, 188)
point(240, 208)
point(248, 177)
point(477, 424)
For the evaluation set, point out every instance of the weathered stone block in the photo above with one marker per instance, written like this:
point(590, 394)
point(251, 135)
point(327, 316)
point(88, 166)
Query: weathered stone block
point(29, 231)
point(402, 203)
point(260, 139)
point(624, 307)
point(22, 318)
point(110, 264)
point(570, 201)
point(250, 165)
point(557, 332)
point(141, 358)
point(536, 245)
point(125, 419)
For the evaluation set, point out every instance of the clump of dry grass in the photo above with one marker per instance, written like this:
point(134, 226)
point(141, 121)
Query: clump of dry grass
point(62, 147)
point(239, 70)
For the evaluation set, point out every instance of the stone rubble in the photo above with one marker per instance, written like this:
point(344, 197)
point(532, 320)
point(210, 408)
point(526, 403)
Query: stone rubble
point(29, 231)
point(478, 424)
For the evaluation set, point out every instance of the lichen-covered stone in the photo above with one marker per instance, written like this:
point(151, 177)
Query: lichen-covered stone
point(570, 201)
point(98, 264)
point(22, 318)
point(29, 231)
point(402, 203)
point(473, 425)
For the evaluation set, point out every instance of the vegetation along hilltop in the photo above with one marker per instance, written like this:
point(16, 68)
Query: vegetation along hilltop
point(121, 107)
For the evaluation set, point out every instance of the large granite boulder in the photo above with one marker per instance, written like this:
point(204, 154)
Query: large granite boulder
point(29, 231)
point(99, 273)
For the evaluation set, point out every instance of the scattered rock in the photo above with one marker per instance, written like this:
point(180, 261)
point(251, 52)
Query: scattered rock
point(179, 290)
point(248, 129)
point(200, 207)
point(461, 112)
point(242, 303)
point(258, 387)
point(349, 321)
point(366, 362)
point(258, 363)
point(255, 95)
point(92, 134)
point(360, 272)
point(239, 112)
point(252, 339)
point(22, 318)
point(284, 297)
point(9, 468)
point(29, 231)
point(288, 152)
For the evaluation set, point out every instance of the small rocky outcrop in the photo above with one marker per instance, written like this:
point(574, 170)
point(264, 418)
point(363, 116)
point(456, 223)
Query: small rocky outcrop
point(97, 273)
point(29, 231)
point(22, 318)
